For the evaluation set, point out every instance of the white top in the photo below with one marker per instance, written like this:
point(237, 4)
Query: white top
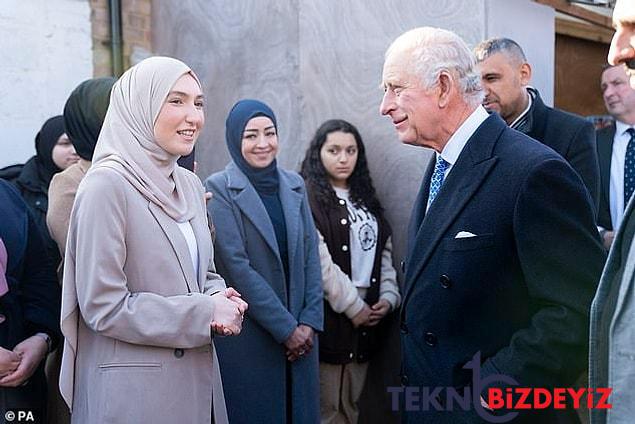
point(457, 142)
point(188, 233)
point(363, 240)
point(616, 185)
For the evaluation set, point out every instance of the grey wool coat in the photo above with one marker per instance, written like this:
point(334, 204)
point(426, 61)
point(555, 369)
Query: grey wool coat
point(253, 365)
point(138, 347)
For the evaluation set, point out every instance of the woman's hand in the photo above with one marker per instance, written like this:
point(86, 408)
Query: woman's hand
point(362, 316)
point(9, 361)
point(300, 342)
point(31, 351)
point(228, 313)
point(378, 311)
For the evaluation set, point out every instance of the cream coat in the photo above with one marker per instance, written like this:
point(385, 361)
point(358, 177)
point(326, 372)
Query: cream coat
point(140, 351)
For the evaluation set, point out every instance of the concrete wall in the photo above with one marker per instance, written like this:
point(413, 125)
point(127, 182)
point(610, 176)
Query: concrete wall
point(46, 51)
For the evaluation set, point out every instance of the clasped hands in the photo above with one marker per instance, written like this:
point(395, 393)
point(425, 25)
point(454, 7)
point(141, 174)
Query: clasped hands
point(229, 311)
point(17, 366)
point(371, 315)
point(299, 343)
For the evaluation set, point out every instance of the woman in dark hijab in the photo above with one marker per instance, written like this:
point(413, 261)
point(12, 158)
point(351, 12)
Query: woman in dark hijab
point(54, 153)
point(267, 248)
point(84, 114)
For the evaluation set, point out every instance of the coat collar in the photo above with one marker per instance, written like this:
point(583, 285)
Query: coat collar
point(605, 139)
point(291, 193)
point(472, 167)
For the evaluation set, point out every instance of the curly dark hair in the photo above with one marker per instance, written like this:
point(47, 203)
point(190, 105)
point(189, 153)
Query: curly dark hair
point(361, 189)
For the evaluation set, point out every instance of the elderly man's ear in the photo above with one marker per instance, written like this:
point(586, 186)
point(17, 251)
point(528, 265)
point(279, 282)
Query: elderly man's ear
point(445, 87)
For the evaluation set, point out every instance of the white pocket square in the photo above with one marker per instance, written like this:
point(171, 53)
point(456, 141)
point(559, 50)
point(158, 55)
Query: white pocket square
point(464, 234)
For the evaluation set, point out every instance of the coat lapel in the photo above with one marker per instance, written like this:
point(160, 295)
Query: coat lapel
point(291, 200)
point(178, 243)
point(204, 243)
point(248, 201)
point(419, 209)
point(465, 178)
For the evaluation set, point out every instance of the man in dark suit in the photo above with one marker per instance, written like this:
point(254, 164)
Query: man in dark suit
point(614, 142)
point(503, 253)
point(505, 76)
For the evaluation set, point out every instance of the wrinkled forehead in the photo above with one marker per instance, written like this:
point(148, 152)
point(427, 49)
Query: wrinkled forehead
point(624, 12)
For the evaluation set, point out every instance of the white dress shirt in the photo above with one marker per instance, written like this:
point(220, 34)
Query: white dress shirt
point(616, 185)
point(190, 239)
point(457, 142)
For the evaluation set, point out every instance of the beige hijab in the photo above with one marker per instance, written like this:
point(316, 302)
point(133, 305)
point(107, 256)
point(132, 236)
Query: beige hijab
point(126, 142)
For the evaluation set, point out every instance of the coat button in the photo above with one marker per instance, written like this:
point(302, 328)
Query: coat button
point(404, 380)
point(403, 328)
point(344, 248)
point(402, 264)
point(342, 202)
point(178, 352)
point(445, 281)
point(364, 334)
point(361, 357)
point(343, 221)
point(373, 280)
point(430, 339)
point(351, 355)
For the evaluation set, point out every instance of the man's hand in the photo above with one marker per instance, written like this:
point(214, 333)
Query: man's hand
point(31, 351)
point(9, 361)
point(378, 311)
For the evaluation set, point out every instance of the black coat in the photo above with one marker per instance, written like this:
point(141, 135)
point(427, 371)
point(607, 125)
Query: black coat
point(519, 291)
point(572, 136)
point(605, 138)
point(32, 304)
point(27, 180)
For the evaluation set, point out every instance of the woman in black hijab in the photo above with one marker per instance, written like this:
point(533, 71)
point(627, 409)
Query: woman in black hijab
point(54, 153)
point(84, 114)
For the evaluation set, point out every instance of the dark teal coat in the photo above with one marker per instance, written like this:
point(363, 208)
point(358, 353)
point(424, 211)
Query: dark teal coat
point(253, 365)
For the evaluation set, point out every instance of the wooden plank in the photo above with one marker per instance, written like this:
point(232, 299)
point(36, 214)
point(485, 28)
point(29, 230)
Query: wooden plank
point(584, 30)
point(578, 12)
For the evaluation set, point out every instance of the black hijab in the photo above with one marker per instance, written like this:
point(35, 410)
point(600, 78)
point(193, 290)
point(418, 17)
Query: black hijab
point(45, 141)
point(84, 114)
point(264, 180)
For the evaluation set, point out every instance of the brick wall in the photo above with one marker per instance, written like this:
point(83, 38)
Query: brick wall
point(136, 21)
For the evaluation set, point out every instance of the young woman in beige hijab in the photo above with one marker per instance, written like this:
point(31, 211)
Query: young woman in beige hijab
point(141, 298)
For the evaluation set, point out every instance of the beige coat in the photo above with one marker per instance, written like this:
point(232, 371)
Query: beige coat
point(140, 351)
point(62, 192)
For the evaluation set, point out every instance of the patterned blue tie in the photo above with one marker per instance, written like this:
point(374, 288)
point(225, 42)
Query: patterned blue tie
point(437, 178)
point(629, 168)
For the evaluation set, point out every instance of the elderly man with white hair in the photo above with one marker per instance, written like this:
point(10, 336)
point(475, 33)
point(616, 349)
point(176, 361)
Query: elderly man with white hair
point(494, 294)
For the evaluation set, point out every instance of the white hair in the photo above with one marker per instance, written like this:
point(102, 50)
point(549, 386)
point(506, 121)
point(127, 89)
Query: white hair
point(435, 50)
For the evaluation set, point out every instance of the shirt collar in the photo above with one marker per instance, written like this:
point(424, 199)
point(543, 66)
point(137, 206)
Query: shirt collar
point(456, 143)
point(525, 112)
point(621, 127)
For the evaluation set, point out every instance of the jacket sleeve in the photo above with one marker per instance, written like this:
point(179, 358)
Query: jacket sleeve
point(264, 305)
point(62, 192)
point(97, 252)
point(388, 288)
point(39, 289)
point(339, 290)
point(561, 259)
point(313, 312)
point(583, 157)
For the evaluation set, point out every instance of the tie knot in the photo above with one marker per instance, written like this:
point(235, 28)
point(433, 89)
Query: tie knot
point(631, 132)
point(443, 164)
